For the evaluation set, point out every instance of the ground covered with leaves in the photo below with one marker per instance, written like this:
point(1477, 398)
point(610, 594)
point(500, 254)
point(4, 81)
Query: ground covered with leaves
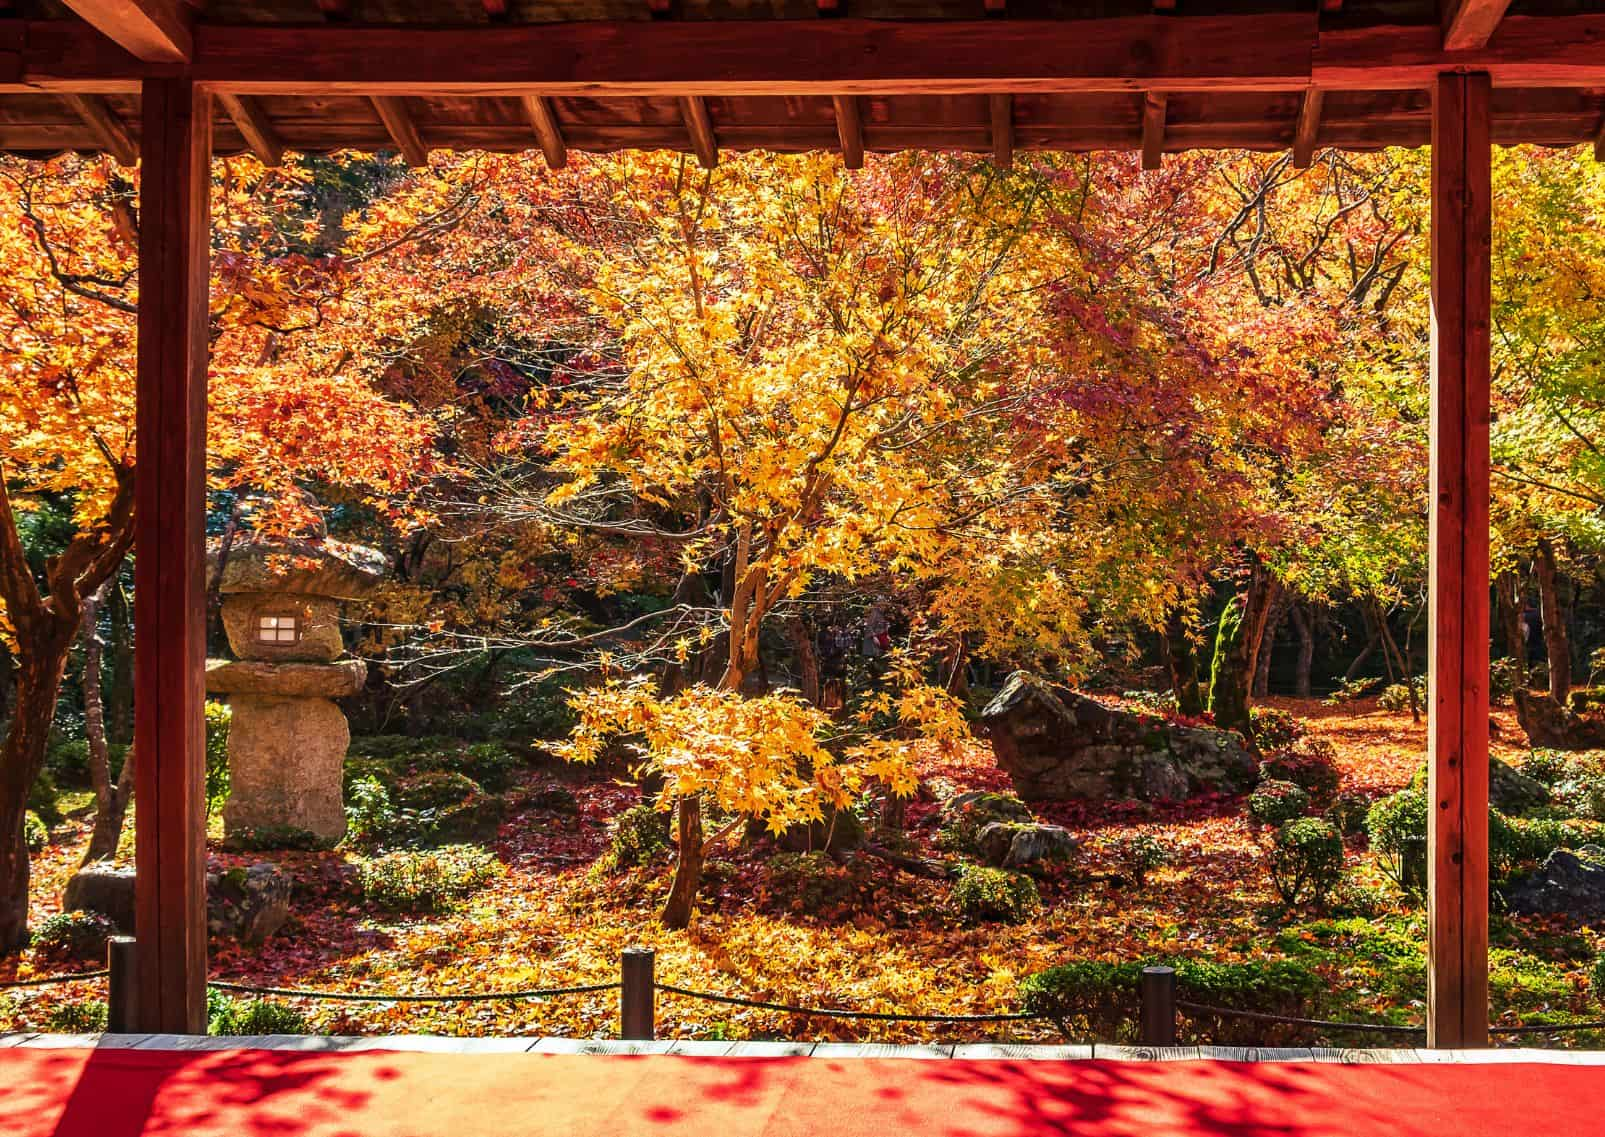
point(561, 894)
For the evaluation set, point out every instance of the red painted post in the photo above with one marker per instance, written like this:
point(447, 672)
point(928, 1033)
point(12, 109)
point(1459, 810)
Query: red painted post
point(1457, 732)
point(169, 558)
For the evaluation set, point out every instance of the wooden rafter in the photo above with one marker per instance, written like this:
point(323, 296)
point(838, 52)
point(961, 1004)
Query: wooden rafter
point(495, 10)
point(153, 30)
point(1153, 129)
point(1468, 25)
point(104, 124)
point(1002, 107)
point(253, 124)
point(393, 112)
point(850, 131)
point(1308, 128)
point(694, 112)
point(544, 122)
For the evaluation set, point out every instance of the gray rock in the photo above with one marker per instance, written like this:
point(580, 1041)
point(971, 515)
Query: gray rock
point(247, 904)
point(1056, 743)
point(105, 888)
point(1014, 845)
point(1567, 885)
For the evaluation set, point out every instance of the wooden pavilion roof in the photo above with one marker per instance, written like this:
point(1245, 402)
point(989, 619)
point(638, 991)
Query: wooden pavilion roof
point(991, 76)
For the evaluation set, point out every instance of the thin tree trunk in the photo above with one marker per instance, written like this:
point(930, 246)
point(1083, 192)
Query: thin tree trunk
point(111, 798)
point(958, 671)
point(1358, 661)
point(801, 634)
point(21, 758)
point(1262, 662)
point(1391, 651)
point(1507, 596)
point(688, 866)
point(1556, 643)
point(119, 687)
point(1181, 657)
point(1304, 625)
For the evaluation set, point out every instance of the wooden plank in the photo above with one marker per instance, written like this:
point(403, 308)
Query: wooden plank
point(1530, 51)
point(393, 112)
point(170, 536)
point(1457, 726)
point(1271, 51)
point(544, 122)
point(254, 125)
point(849, 131)
point(1469, 24)
point(1153, 130)
point(154, 30)
point(1308, 128)
point(1002, 107)
point(694, 112)
point(107, 128)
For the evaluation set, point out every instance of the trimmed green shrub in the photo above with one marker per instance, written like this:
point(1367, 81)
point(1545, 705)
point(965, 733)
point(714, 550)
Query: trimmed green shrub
point(73, 935)
point(1306, 860)
point(488, 763)
point(427, 881)
point(1397, 828)
point(82, 1016)
point(35, 833)
point(370, 812)
point(1581, 794)
point(218, 718)
point(1140, 855)
point(815, 883)
point(988, 895)
point(963, 820)
point(226, 1015)
point(1348, 812)
point(638, 836)
point(1274, 802)
point(1396, 696)
point(1100, 999)
point(1309, 763)
point(1273, 729)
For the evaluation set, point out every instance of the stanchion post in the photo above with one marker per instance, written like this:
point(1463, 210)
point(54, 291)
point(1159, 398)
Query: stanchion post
point(638, 1012)
point(122, 985)
point(1159, 1006)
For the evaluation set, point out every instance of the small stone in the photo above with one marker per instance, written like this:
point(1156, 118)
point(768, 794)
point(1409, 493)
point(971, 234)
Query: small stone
point(247, 904)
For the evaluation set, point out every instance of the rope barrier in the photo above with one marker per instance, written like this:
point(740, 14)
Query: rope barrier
point(52, 980)
point(835, 1013)
point(1290, 1020)
point(1551, 1028)
point(369, 997)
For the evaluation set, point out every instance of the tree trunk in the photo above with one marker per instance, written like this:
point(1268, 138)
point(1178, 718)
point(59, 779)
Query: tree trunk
point(1262, 661)
point(21, 759)
point(119, 687)
point(1237, 641)
point(1304, 625)
point(1358, 661)
point(1181, 657)
point(958, 671)
point(1390, 651)
point(688, 866)
point(111, 798)
point(1556, 644)
point(802, 644)
point(1507, 597)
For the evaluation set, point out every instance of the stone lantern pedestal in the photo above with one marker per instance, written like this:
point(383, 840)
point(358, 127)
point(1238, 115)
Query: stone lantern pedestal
point(287, 738)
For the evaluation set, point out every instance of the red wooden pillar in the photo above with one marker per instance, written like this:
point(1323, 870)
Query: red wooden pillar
point(169, 565)
point(1457, 737)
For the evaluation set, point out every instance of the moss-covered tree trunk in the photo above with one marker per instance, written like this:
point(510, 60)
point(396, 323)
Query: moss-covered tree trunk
point(1181, 657)
point(1237, 641)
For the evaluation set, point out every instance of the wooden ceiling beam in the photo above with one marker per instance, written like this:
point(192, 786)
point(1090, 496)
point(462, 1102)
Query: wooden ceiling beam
point(1468, 25)
point(694, 112)
point(255, 127)
point(1308, 128)
point(158, 31)
point(1002, 130)
point(393, 112)
point(1153, 130)
point(850, 131)
point(104, 124)
point(544, 122)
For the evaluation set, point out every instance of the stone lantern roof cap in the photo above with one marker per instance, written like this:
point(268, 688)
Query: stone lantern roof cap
point(321, 567)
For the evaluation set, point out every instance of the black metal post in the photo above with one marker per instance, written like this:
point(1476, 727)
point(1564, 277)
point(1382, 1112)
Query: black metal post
point(1158, 1006)
point(122, 985)
point(638, 1012)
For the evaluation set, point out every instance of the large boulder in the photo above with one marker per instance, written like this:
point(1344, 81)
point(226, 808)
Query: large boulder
point(247, 904)
point(1569, 884)
point(1056, 743)
point(1550, 726)
point(105, 888)
point(1511, 792)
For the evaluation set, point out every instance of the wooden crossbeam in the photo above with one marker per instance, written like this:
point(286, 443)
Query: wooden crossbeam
point(495, 10)
point(694, 112)
point(393, 112)
point(1468, 25)
point(544, 122)
point(254, 125)
point(104, 124)
point(153, 30)
point(1002, 130)
point(1308, 128)
point(1153, 130)
point(850, 131)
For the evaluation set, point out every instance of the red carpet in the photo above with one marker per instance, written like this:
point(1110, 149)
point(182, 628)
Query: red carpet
point(258, 1093)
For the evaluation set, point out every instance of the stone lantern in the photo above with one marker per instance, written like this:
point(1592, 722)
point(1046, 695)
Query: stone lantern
point(287, 740)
